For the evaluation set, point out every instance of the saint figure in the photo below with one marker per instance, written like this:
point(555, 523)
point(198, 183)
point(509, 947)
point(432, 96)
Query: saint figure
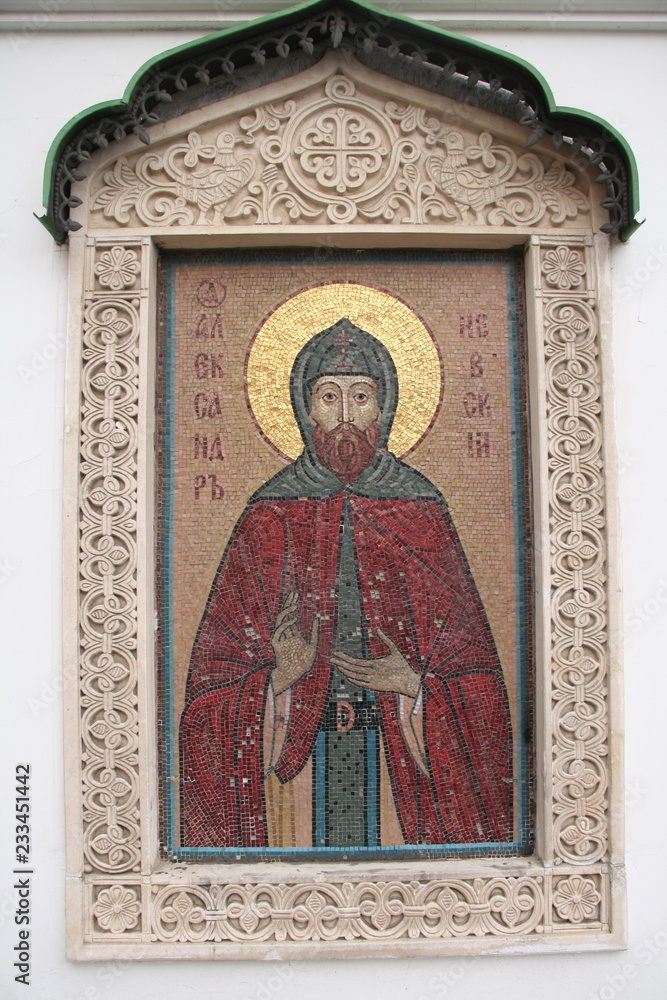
point(345, 689)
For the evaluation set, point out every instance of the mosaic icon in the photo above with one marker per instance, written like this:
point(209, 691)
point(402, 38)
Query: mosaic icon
point(345, 693)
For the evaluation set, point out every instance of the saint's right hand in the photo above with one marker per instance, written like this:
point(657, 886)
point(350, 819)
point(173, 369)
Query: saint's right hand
point(294, 654)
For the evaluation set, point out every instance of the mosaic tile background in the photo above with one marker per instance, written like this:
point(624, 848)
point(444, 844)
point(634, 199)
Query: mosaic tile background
point(214, 456)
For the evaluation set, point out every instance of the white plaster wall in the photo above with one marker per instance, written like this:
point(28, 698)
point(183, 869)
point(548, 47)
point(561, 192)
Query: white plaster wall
point(48, 78)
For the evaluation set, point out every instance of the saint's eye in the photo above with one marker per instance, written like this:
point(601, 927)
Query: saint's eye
point(329, 397)
point(361, 397)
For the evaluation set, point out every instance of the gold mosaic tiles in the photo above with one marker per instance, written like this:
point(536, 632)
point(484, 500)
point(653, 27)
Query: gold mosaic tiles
point(404, 723)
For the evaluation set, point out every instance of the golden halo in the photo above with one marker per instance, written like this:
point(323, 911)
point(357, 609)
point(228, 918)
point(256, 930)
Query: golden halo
point(282, 335)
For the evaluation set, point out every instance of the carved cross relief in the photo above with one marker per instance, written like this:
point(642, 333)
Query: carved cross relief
point(328, 152)
point(338, 152)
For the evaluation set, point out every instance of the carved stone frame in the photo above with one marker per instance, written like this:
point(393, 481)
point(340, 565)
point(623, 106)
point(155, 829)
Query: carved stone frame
point(123, 900)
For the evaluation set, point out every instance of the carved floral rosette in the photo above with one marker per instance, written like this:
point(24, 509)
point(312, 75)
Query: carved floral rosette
point(571, 897)
point(108, 560)
point(579, 627)
point(338, 155)
point(329, 912)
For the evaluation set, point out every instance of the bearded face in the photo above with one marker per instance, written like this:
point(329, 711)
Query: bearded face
point(346, 451)
point(345, 413)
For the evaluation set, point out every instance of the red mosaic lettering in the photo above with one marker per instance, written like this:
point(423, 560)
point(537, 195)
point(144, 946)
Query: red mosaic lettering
point(476, 325)
point(207, 406)
point(214, 409)
point(217, 492)
point(211, 332)
point(215, 454)
point(211, 293)
point(482, 325)
point(465, 325)
point(201, 444)
point(477, 404)
point(209, 365)
point(201, 366)
point(476, 366)
point(479, 444)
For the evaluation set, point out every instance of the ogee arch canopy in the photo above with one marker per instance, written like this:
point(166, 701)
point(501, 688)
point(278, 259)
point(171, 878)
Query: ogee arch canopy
point(281, 45)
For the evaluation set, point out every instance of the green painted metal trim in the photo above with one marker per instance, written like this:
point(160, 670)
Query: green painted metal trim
point(52, 229)
point(63, 136)
point(256, 26)
point(311, 7)
point(428, 33)
point(625, 234)
point(191, 48)
point(473, 47)
point(577, 115)
point(239, 32)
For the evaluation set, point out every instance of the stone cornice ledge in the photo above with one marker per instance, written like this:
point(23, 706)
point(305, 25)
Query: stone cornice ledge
point(25, 24)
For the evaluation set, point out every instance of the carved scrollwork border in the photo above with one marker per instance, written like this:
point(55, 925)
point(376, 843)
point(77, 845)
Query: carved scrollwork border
point(579, 613)
point(401, 49)
point(388, 163)
point(383, 912)
point(561, 896)
point(108, 555)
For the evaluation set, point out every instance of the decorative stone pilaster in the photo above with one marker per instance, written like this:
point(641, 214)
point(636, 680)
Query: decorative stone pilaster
point(108, 557)
point(578, 574)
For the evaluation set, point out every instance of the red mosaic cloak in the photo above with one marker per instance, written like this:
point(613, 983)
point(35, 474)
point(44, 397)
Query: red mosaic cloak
point(417, 587)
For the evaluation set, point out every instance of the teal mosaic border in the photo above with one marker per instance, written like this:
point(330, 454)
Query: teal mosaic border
point(169, 733)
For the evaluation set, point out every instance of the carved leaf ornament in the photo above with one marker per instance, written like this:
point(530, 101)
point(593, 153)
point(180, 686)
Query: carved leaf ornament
point(108, 557)
point(338, 909)
point(342, 157)
point(374, 911)
point(579, 608)
point(337, 154)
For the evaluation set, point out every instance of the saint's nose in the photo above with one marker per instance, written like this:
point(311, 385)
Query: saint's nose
point(344, 408)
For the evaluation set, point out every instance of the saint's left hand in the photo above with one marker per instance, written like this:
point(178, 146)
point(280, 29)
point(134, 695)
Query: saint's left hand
point(385, 673)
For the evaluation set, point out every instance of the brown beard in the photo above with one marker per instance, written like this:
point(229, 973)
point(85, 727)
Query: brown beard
point(346, 451)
